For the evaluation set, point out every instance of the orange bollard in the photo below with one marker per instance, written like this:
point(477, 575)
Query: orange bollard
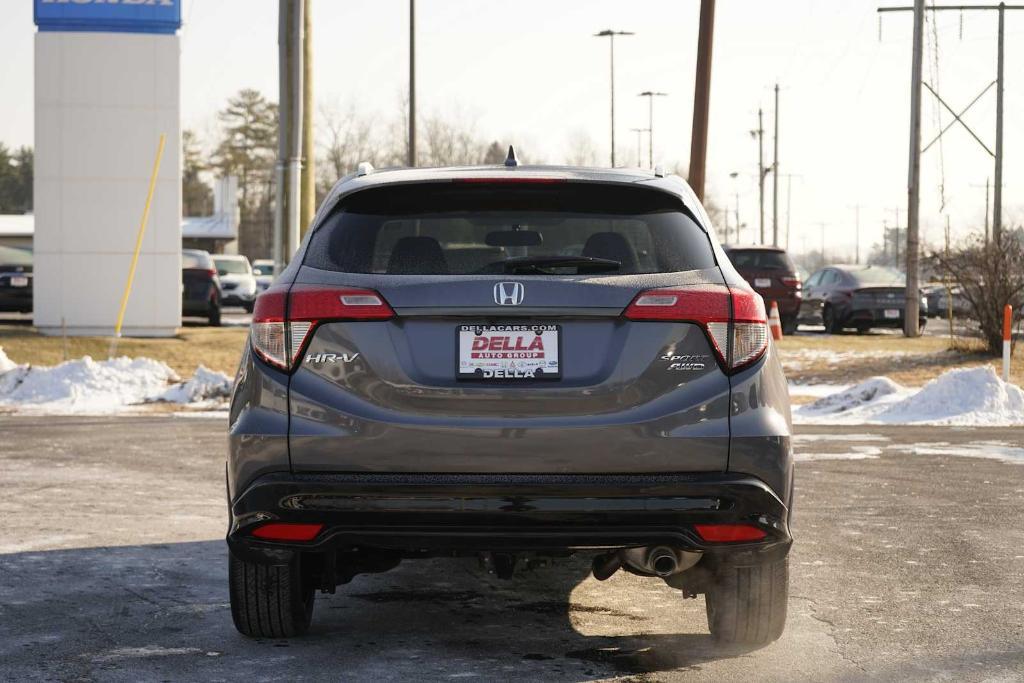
point(1007, 320)
point(775, 322)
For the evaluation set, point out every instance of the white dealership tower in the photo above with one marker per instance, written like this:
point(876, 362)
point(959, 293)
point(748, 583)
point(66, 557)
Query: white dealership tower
point(107, 85)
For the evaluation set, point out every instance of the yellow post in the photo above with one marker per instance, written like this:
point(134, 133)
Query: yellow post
point(138, 245)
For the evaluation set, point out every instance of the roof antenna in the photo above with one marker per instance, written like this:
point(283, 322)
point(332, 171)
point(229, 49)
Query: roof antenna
point(511, 160)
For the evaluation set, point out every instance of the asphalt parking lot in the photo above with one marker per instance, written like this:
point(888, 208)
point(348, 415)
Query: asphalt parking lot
point(908, 564)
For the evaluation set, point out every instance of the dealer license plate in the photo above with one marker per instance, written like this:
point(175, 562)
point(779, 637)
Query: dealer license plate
point(509, 352)
point(892, 313)
point(762, 282)
point(19, 281)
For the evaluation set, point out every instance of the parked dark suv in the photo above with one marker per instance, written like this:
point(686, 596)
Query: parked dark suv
point(200, 287)
point(772, 274)
point(510, 362)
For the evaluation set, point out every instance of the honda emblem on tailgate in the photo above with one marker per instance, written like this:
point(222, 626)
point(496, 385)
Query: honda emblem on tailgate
point(509, 293)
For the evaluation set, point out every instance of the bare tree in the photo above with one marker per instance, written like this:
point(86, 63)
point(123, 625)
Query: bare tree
point(990, 276)
point(450, 141)
point(582, 151)
point(347, 139)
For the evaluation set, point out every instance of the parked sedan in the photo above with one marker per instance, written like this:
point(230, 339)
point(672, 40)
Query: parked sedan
point(16, 279)
point(200, 288)
point(856, 296)
point(237, 281)
point(772, 274)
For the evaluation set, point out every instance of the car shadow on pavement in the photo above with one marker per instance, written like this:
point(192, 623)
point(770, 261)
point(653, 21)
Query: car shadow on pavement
point(161, 611)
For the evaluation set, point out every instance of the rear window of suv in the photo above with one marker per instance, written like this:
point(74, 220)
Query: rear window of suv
point(761, 259)
point(527, 229)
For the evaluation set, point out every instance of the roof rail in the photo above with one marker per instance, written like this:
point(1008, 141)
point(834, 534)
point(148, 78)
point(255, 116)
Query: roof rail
point(364, 168)
point(659, 171)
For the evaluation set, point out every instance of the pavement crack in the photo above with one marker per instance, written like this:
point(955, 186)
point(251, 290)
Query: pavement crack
point(832, 631)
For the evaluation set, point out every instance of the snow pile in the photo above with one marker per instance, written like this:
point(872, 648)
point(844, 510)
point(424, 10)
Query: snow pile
point(968, 396)
point(86, 386)
point(962, 397)
point(866, 392)
point(5, 362)
point(206, 385)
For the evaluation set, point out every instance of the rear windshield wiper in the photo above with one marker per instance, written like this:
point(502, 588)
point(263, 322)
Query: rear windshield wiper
point(537, 264)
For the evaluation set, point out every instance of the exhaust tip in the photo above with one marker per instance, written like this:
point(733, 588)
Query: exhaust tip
point(662, 561)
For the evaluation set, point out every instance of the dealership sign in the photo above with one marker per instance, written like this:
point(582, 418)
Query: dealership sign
point(119, 16)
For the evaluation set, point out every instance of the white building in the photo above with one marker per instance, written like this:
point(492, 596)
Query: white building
point(107, 86)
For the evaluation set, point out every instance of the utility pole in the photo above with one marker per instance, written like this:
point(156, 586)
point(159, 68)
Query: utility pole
point(295, 143)
point(650, 95)
point(734, 175)
point(308, 147)
point(702, 99)
point(761, 171)
point(411, 161)
point(912, 297)
point(775, 175)
point(610, 34)
point(289, 150)
point(997, 208)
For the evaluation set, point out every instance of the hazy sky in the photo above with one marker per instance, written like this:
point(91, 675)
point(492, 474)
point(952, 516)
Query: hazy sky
point(529, 73)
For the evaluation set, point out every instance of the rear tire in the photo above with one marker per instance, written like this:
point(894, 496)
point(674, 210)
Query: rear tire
point(747, 605)
point(214, 315)
point(789, 325)
point(832, 325)
point(269, 601)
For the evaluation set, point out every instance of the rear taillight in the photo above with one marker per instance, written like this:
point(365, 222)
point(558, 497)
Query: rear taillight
point(287, 531)
point(718, 310)
point(283, 319)
point(729, 533)
point(793, 282)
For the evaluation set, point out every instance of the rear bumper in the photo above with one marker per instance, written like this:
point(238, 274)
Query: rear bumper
point(238, 298)
point(876, 317)
point(440, 513)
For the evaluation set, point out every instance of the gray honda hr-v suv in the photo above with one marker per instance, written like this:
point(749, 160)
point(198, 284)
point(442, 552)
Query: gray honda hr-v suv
point(512, 362)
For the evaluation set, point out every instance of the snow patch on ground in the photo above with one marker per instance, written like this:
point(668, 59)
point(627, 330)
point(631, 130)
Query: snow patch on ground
point(855, 453)
point(845, 438)
point(961, 397)
point(87, 386)
point(992, 450)
point(795, 360)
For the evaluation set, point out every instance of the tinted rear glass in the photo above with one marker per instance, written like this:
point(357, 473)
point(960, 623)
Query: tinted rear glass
point(463, 229)
point(760, 259)
point(231, 267)
point(196, 260)
point(878, 276)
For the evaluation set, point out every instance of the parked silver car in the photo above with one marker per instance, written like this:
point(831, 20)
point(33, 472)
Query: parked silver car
point(237, 282)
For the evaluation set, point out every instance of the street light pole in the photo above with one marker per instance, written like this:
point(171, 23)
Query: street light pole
point(610, 34)
point(650, 95)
